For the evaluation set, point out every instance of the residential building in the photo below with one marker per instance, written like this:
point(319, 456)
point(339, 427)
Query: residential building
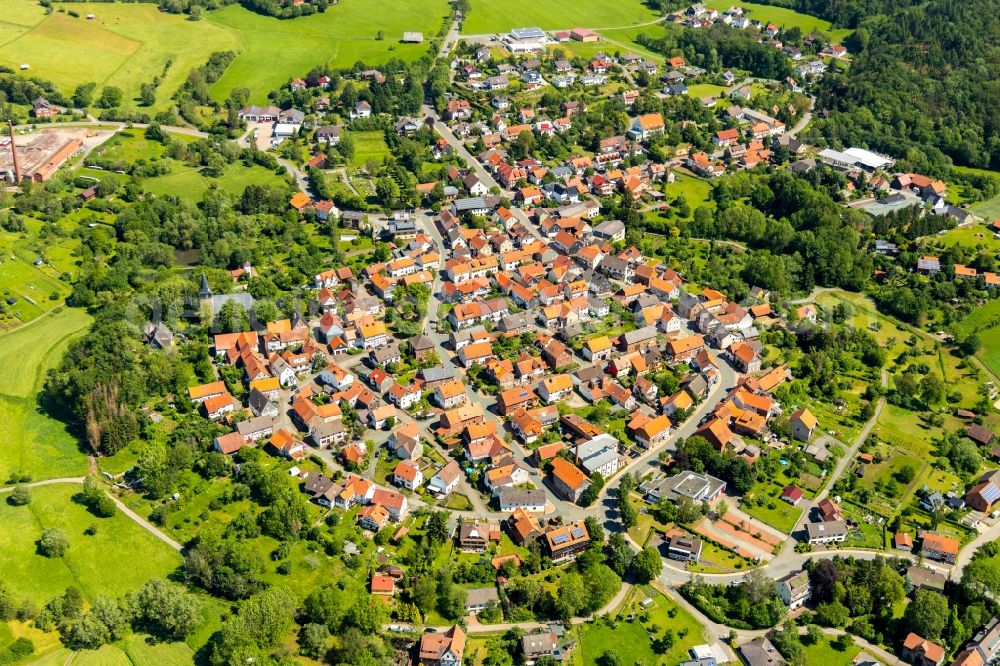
point(940, 548)
point(761, 652)
point(803, 424)
point(566, 542)
point(794, 589)
point(681, 546)
point(442, 649)
point(568, 480)
point(921, 652)
point(834, 531)
point(479, 598)
point(530, 500)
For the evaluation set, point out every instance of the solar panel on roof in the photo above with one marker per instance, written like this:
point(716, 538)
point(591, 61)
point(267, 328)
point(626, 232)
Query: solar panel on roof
point(560, 538)
point(577, 533)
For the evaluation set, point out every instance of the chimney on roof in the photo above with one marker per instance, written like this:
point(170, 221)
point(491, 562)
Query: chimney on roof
point(13, 152)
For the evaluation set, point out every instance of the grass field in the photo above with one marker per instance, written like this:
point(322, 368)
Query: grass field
point(126, 45)
point(34, 286)
point(705, 90)
point(785, 18)
point(774, 511)
point(341, 36)
point(183, 181)
point(632, 640)
point(989, 210)
point(368, 146)
point(93, 563)
point(824, 653)
point(484, 18)
point(35, 443)
point(985, 321)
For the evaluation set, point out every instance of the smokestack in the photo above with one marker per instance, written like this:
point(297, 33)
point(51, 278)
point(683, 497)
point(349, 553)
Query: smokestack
point(13, 152)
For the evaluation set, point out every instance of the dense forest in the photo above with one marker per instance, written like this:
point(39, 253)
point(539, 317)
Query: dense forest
point(923, 80)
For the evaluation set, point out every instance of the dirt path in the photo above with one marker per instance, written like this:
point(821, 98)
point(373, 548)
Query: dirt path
point(135, 517)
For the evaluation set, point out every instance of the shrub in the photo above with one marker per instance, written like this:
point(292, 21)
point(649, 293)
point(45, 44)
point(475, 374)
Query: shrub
point(53, 543)
point(20, 496)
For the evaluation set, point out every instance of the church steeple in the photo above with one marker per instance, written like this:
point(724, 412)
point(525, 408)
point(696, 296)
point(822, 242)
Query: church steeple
point(205, 291)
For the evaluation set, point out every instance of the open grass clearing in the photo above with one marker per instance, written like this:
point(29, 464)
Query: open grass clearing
point(35, 443)
point(770, 509)
point(985, 322)
point(118, 558)
point(368, 146)
point(631, 632)
point(125, 45)
point(344, 34)
point(823, 652)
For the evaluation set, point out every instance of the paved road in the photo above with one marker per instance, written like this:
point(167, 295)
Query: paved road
point(476, 628)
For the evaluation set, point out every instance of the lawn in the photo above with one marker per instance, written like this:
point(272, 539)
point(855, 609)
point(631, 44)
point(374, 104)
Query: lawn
point(824, 653)
point(989, 210)
point(183, 180)
point(484, 17)
point(125, 45)
point(36, 444)
point(696, 191)
point(344, 34)
point(623, 40)
point(93, 563)
point(368, 146)
point(705, 90)
point(632, 638)
point(774, 511)
point(188, 183)
point(785, 18)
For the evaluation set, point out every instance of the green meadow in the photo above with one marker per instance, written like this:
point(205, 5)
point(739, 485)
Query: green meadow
point(119, 557)
point(36, 444)
point(128, 44)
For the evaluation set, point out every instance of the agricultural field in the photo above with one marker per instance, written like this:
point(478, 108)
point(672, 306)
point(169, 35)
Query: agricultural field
point(785, 18)
point(343, 35)
point(90, 563)
point(483, 17)
point(36, 444)
point(127, 44)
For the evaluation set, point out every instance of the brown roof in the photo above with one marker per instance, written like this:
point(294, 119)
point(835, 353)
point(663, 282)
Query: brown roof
point(932, 651)
point(568, 473)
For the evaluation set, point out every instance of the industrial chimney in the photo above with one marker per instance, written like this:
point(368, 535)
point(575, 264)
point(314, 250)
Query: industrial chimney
point(13, 152)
